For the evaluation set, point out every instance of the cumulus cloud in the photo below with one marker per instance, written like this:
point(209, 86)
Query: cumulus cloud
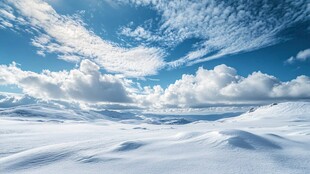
point(301, 56)
point(222, 85)
point(225, 27)
point(88, 88)
point(85, 84)
point(68, 37)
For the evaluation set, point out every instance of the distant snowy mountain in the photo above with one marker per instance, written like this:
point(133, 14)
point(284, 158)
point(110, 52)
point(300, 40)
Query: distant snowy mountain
point(290, 111)
point(47, 112)
point(10, 100)
point(57, 112)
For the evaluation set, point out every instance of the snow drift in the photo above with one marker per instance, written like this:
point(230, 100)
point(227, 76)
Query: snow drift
point(267, 139)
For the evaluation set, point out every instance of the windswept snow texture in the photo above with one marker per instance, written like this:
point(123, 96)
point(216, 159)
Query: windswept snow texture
point(268, 139)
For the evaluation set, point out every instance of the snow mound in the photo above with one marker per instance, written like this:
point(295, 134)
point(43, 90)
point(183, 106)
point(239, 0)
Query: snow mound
point(128, 146)
point(37, 157)
point(187, 135)
point(246, 140)
point(231, 138)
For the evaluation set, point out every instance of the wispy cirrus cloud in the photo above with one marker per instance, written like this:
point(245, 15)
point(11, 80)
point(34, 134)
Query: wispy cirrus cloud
point(223, 28)
point(226, 27)
point(72, 41)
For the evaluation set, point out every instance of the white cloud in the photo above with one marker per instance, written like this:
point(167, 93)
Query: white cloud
point(69, 58)
point(144, 34)
point(290, 60)
point(139, 34)
point(6, 16)
point(226, 27)
point(298, 88)
point(69, 37)
point(89, 88)
point(301, 56)
point(85, 84)
point(222, 86)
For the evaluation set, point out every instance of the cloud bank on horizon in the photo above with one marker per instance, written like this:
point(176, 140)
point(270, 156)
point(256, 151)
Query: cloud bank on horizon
point(107, 72)
point(219, 86)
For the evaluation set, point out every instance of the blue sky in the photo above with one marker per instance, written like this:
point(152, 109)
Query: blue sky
point(149, 54)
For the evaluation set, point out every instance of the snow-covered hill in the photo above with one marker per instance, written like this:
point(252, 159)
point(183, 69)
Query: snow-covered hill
point(289, 110)
point(267, 139)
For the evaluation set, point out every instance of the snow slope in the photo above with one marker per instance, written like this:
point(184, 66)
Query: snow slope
point(268, 139)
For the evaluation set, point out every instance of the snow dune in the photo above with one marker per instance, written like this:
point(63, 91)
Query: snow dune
point(268, 139)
